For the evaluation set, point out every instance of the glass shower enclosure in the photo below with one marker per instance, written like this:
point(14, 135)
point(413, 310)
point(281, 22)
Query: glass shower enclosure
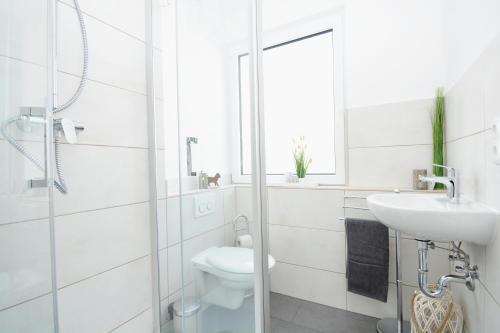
point(209, 271)
point(213, 276)
point(27, 301)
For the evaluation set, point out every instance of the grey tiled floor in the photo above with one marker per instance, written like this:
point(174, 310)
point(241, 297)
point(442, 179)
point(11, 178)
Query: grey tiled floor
point(292, 315)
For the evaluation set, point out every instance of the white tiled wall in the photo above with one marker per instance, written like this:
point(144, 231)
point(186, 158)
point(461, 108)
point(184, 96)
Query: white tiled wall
point(472, 105)
point(196, 235)
point(103, 246)
point(386, 142)
point(308, 241)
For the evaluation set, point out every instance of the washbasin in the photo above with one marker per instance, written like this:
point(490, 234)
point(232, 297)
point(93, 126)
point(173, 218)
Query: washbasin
point(434, 217)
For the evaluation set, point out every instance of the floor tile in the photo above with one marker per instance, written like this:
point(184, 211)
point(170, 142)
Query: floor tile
point(331, 320)
point(284, 307)
point(282, 326)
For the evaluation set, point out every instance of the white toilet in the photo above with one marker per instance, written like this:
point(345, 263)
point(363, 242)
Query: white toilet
point(225, 275)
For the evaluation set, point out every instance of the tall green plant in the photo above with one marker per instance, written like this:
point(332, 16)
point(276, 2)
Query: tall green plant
point(437, 119)
point(302, 162)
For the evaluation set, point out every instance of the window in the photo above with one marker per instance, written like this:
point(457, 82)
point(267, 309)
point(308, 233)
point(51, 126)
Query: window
point(299, 100)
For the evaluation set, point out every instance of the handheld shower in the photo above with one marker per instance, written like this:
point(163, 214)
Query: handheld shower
point(31, 116)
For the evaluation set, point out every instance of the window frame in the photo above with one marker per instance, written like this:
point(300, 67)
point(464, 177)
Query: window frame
point(279, 37)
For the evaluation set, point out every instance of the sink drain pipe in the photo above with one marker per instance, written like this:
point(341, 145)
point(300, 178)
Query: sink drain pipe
point(437, 291)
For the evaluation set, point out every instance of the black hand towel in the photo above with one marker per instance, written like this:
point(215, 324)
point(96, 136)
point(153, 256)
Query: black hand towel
point(367, 258)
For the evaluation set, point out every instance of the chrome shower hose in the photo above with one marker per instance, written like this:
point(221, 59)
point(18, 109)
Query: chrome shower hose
point(60, 182)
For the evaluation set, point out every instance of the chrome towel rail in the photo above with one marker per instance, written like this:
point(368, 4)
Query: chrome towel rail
point(353, 197)
point(389, 325)
point(354, 207)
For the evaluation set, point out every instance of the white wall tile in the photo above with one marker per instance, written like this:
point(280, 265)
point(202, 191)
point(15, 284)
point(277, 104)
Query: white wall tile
point(192, 225)
point(99, 177)
point(491, 315)
point(130, 17)
point(405, 123)
point(160, 114)
point(468, 155)
point(310, 284)
point(161, 211)
point(244, 201)
point(229, 204)
point(387, 167)
point(161, 185)
point(111, 116)
point(492, 82)
point(229, 235)
point(319, 249)
point(108, 300)
point(141, 323)
point(91, 242)
point(34, 316)
point(158, 69)
point(23, 30)
point(174, 268)
point(114, 57)
point(472, 106)
point(159, 13)
point(25, 262)
point(490, 268)
point(491, 191)
point(22, 84)
point(465, 104)
point(173, 220)
point(17, 201)
point(473, 306)
point(307, 208)
point(163, 273)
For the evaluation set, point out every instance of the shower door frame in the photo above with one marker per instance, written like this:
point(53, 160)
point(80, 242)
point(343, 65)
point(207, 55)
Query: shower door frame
point(259, 192)
point(258, 184)
point(49, 146)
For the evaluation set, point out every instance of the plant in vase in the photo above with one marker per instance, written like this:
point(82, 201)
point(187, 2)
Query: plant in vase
point(302, 162)
point(437, 120)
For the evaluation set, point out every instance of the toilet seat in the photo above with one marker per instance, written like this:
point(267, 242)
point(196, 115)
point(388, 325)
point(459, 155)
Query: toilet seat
point(232, 260)
point(225, 275)
point(229, 262)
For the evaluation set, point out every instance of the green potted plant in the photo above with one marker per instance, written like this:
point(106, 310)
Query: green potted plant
point(302, 162)
point(437, 120)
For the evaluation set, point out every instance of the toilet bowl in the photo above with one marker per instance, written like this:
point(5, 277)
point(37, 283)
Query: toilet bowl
point(225, 275)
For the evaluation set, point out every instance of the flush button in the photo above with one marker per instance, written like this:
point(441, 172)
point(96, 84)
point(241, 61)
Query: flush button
point(204, 204)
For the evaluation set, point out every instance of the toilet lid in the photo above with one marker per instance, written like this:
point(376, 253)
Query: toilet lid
point(234, 260)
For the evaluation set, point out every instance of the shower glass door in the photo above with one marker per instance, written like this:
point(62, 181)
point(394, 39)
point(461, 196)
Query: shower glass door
point(210, 225)
point(26, 303)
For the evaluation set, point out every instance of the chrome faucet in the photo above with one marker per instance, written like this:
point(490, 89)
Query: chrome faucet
point(450, 181)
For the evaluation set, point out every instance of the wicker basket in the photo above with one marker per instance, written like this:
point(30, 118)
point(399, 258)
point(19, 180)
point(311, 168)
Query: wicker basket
point(435, 315)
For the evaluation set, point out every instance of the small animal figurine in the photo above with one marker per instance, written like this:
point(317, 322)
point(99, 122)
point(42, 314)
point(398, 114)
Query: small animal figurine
point(214, 181)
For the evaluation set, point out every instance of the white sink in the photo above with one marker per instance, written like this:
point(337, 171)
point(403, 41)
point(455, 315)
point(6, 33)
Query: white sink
point(433, 217)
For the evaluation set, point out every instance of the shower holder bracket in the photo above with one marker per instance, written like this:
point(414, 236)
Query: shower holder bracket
point(37, 183)
point(29, 116)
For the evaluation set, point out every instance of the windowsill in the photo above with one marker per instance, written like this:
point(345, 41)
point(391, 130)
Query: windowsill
point(302, 186)
point(316, 186)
